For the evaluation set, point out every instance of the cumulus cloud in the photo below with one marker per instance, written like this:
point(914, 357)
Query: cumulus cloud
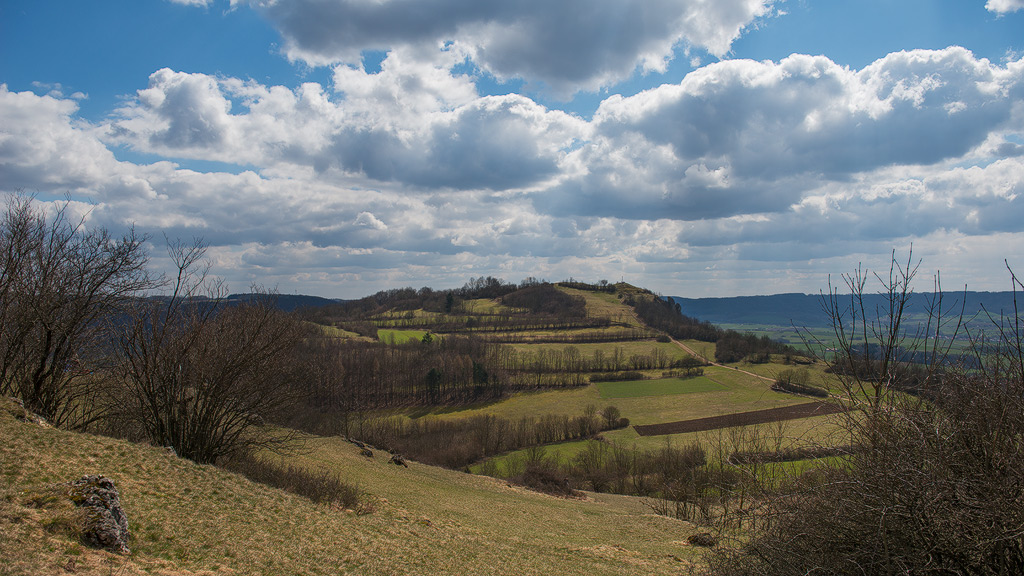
point(744, 137)
point(422, 130)
point(567, 46)
point(41, 144)
point(1004, 6)
point(407, 175)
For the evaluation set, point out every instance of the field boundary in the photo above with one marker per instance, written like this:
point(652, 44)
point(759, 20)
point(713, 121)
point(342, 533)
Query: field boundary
point(794, 412)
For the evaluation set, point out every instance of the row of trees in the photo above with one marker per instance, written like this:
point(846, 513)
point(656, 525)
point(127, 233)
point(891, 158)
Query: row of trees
point(90, 339)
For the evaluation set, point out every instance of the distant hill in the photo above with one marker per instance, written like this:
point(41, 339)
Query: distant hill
point(805, 309)
point(289, 302)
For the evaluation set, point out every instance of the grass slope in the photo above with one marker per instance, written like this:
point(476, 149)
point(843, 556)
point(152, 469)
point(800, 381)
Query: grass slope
point(192, 519)
point(659, 387)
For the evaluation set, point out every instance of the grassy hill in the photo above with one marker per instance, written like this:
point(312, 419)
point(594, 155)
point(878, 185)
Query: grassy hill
point(192, 519)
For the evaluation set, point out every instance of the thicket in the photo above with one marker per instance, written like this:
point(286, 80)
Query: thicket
point(321, 486)
point(934, 484)
point(61, 287)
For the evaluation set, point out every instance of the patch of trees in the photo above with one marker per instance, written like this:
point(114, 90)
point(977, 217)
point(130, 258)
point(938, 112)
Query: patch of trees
point(484, 323)
point(350, 377)
point(547, 300)
point(797, 382)
point(683, 481)
point(569, 337)
point(600, 286)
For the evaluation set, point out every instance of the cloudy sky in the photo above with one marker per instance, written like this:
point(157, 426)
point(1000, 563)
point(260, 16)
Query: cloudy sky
point(694, 147)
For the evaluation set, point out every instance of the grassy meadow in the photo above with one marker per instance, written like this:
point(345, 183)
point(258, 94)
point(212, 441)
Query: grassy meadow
point(191, 519)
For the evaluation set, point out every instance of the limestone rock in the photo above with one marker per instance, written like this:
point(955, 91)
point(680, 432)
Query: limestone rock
point(106, 525)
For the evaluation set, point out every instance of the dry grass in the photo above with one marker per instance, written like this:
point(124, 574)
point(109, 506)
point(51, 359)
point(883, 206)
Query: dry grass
point(191, 519)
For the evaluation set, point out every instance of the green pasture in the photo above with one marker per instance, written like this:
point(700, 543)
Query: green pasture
point(705, 350)
point(507, 464)
point(399, 336)
point(659, 387)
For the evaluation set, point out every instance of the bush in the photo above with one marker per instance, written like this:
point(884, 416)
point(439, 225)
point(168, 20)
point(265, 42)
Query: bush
point(322, 486)
point(546, 477)
point(797, 382)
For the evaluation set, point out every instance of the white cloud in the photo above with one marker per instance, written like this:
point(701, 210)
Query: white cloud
point(408, 176)
point(421, 127)
point(1004, 6)
point(568, 46)
point(743, 137)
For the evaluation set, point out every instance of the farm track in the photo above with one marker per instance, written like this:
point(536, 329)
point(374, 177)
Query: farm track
point(794, 412)
point(693, 353)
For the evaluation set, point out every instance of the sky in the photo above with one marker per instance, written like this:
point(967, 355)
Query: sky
point(697, 148)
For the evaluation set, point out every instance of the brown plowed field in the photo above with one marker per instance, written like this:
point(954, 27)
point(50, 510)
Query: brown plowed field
point(794, 412)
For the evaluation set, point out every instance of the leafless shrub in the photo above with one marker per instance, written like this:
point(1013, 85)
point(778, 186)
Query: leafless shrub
point(321, 486)
point(937, 483)
point(203, 377)
point(61, 284)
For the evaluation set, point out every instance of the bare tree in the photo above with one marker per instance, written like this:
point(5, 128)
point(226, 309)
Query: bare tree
point(202, 376)
point(61, 283)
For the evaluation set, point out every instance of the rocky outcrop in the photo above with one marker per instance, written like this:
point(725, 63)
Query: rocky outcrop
point(15, 407)
point(106, 525)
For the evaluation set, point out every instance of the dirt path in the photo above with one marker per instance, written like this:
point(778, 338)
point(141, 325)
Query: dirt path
point(693, 353)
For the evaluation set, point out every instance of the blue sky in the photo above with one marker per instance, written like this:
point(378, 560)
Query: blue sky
point(694, 147)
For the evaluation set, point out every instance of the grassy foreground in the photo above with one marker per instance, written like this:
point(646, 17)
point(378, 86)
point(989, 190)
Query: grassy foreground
point(192, 519)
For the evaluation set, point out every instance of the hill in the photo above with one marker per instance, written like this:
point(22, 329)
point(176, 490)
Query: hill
point(288, 302)
point(191, 519)
point(804, 310)
point(470, 370)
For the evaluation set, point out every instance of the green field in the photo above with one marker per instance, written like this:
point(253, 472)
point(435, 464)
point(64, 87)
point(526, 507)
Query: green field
point(509, 463)
point(660, 387)
point(400, 336)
